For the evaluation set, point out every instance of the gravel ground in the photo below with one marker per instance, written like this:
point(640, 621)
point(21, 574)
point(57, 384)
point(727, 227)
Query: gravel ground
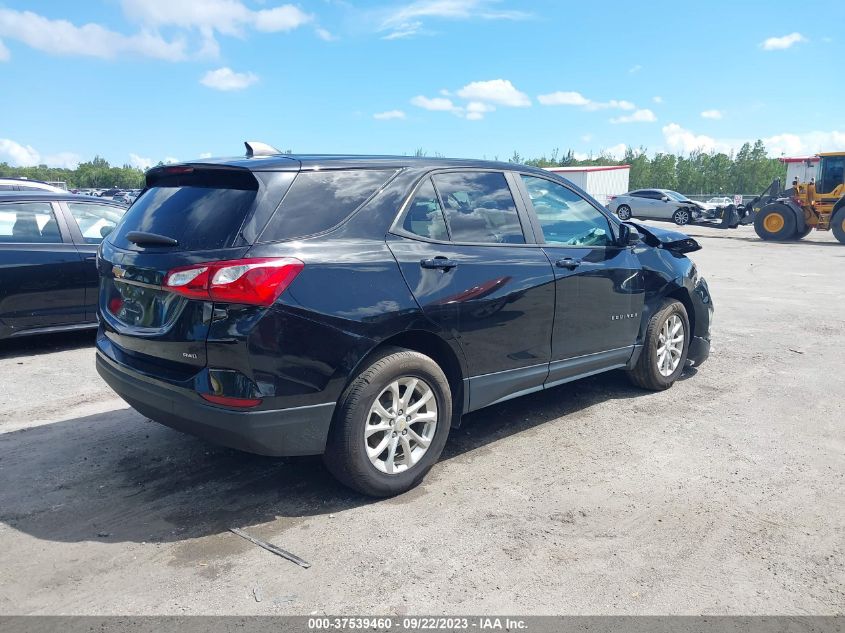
point(723, 495)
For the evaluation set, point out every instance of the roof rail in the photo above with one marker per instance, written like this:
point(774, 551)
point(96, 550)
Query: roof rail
point(257, 148)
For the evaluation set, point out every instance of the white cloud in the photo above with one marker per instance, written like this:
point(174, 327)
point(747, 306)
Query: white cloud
point(638, 116)
point(476, 110)
point(409, 19)
point(436, 104)
point(783, 42)
point(560, 98)
point(229, 17)
point(679, 139)
point(389, 115)
point(658, 99)
point(712, 114)
point(18, 155)
point(4, 52)
point(498, 91)
point(587, 138)
point(279, 19)
point(635, 69)
point(169, 160)
point(325, 34)
point(616, 151)
point(139, 162)
point(805, 144)
point(60, 37)
point(227, 79)
point(206, 155)
point(67, 160)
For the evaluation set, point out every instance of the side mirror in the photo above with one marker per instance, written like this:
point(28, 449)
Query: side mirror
point(628, 236)
point(665, 198)
point(105, 231)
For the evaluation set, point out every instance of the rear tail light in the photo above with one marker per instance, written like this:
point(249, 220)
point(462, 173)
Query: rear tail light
point(251, 281)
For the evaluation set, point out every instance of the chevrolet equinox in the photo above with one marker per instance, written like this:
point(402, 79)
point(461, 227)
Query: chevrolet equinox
point(357, 307)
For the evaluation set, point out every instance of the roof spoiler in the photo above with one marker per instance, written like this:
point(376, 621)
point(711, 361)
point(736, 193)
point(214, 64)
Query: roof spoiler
point(257, 148)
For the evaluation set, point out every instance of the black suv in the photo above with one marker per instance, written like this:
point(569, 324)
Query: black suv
point(356, 307)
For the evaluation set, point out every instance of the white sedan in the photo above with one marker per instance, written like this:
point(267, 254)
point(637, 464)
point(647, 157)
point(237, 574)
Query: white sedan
point(655, 204)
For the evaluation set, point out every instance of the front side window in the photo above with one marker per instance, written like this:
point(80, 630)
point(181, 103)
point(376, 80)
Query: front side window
point(424, 216)
point(320, 200)
point(95, 220)
point(565, 217)
point(833, 174)
point(479, 207)
point(29, 223)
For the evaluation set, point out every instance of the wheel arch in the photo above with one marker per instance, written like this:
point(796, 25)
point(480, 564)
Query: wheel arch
point(435, 347)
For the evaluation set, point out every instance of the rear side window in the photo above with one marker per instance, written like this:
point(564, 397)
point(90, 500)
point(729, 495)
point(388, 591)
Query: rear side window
point(320, 200)
point(202, 210)
point(29, 223)
point(425, 216)
point(479, 207)
point(95, 221)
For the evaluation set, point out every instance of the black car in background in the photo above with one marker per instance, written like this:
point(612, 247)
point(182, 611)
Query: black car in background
point(359, 306)
point(48, 272)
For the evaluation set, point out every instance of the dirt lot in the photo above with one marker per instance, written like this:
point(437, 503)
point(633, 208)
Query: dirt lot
point(723, 495)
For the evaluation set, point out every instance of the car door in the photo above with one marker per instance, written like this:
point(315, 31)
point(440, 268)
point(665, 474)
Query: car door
point(645, 204)
point(466, 253)
point(599, 283)
point(89, 223)
point(42, 282)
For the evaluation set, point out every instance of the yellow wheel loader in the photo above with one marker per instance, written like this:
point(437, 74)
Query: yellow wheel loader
point(818, 204)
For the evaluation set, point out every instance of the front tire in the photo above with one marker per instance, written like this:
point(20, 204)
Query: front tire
point(623, 212)
point(681, 216)
point(837, 224)
point(775, 222)
point(665, 348)
point(391, 424)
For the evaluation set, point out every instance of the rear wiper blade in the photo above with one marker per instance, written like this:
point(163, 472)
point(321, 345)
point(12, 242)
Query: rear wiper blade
point(150, 239)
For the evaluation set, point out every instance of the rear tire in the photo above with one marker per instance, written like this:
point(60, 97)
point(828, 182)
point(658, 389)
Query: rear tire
point(623, 212)
point(368, 417)
point(775, 222)
point(681, 217)
point(837, 224)
point(653, 371)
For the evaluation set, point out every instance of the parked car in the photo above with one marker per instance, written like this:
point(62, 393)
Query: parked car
point(24, 184)
point(719, 201)
point(358, 307)
point(655, 204)
point(48, 273)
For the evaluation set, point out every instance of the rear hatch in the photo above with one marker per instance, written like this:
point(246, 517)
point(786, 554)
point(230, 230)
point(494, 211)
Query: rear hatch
point(186, 215)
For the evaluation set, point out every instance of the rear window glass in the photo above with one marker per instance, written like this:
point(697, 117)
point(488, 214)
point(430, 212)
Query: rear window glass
point(320, 200)
point(202, 210)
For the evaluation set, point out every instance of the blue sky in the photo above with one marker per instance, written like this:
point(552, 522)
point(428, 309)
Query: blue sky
point(138, 81)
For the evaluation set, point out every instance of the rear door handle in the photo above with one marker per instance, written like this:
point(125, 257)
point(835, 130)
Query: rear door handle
point(568, 263)
point(442, 263)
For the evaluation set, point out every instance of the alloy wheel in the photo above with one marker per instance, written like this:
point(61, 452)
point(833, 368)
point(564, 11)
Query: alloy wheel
point(401, 425)
point(670, 345)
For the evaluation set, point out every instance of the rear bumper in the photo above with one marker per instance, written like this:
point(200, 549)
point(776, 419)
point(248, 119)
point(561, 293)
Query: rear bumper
point(284, 432)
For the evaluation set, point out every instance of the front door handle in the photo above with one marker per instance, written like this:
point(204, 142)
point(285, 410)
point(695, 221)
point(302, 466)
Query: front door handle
point(441, 263)
point(568, 263)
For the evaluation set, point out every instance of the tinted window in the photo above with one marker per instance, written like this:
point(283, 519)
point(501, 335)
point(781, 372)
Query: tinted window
point(320, 200)
point(8, 188)
point(28, 222)
point(479, 207)
point(424, 216)
point(95, 221)
point(201, 210)
point(565, 217)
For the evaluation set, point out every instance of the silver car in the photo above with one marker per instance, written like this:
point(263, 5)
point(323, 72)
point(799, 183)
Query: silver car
point(655, 204)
